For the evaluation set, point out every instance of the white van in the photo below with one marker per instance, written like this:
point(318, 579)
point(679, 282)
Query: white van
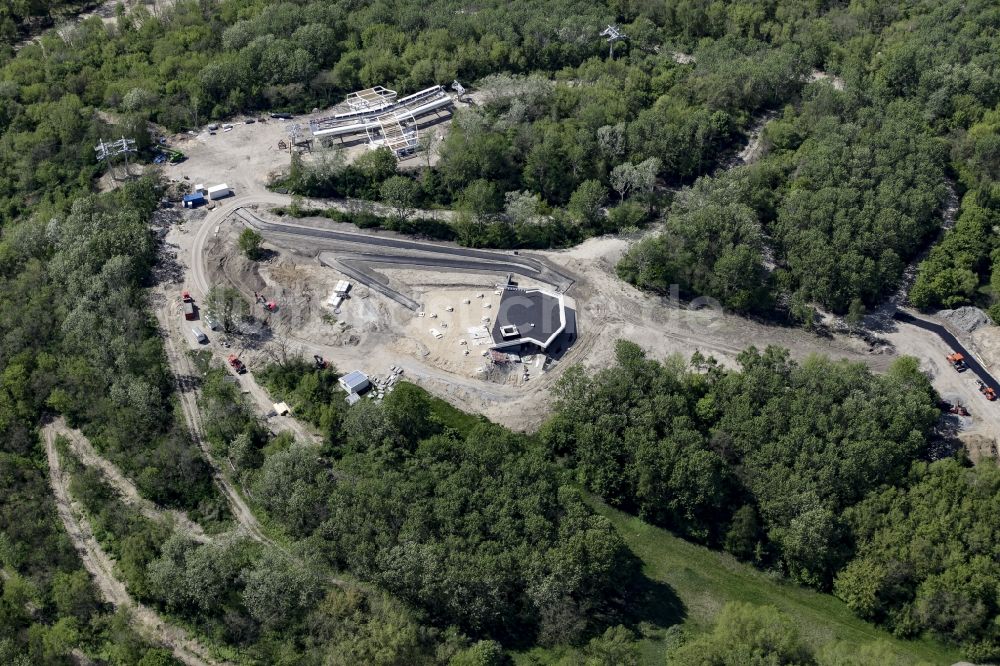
point(199, 335)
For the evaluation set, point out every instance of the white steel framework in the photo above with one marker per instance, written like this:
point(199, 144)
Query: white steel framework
point(106, 152)
point(393, 125)
point(613, 34)
point(396, 130)
point(371, 99)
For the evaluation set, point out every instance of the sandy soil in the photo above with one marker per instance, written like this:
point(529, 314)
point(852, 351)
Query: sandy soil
point(102, 568)
point(982, 432)
point(371, 332)
point(836, 81)
point(451, 327)
point(247, 157)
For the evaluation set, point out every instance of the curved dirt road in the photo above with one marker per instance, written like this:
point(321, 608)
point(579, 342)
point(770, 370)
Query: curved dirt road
point(147, 621)
point(85, 452)
point(185, 377)
point(951, 341)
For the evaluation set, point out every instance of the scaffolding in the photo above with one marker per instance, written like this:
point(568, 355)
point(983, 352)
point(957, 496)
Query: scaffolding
point(108, 151)
point(370, 99)
point(392, 124)
point(396, 130)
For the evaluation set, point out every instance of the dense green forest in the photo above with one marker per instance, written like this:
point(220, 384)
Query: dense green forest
point(817, 470)
point(458, 516)
point(106, 374)
point(853, 183)
point(567, 143)
point(418, 534)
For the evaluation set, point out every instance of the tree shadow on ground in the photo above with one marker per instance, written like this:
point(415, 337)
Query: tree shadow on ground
point(644, 605)
point(653, 603)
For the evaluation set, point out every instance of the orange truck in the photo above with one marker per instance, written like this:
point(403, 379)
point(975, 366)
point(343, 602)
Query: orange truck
point(957, 361)
point(990, 394)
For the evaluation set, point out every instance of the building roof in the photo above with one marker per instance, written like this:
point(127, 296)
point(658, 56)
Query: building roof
point(197, 196)
point(537, 317)
point(353, 381)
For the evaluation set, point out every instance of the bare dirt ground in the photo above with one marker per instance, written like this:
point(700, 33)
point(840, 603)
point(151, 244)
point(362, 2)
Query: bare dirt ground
point(88, 456)
point(248, 157)
point(178, 341)
point(169, 313)
point(980, 433)
point(371, 332)
point(836, 81)
point(450, 331)
point(102, 568)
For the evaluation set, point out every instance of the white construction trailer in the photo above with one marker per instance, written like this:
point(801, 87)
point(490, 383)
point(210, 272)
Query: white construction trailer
point(219, 192)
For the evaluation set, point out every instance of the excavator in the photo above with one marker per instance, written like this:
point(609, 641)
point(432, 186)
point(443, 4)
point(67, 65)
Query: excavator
point(957, 361)
point(990, 394)
point(958, 409)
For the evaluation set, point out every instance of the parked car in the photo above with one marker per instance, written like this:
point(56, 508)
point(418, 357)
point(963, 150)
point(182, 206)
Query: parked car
point(199, 335)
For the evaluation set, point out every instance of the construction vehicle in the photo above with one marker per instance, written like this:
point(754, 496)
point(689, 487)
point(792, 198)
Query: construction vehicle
point(958, 409)
point(958, 362)
point(170, 155)
point(189, 313)
point(986, 390)
point(321, 363)
point(236, 364)
point(271, 306)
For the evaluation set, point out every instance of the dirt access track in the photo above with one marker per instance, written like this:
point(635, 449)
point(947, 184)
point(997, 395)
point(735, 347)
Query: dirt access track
point(102, 568)
point(607, 309)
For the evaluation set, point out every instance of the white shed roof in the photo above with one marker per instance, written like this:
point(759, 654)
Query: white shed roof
point(353, 381)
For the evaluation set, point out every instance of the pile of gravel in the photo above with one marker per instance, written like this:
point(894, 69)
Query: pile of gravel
point(966, 318)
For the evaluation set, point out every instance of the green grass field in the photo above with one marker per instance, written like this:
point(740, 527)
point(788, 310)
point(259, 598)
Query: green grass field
point(702, 581)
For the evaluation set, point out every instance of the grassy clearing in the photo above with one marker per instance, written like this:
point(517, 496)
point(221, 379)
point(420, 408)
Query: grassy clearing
point(704, 580)
point(451, 417)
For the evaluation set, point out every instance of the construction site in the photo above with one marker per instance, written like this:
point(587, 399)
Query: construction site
point(433, 310)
